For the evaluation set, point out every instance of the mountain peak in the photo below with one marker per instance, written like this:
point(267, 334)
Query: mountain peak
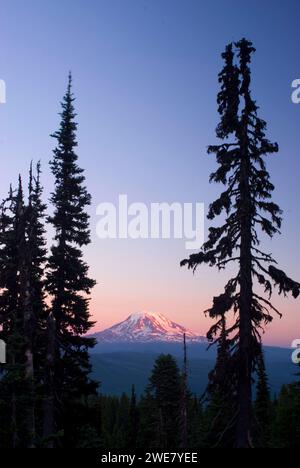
point(142, 313)
point(147, 326)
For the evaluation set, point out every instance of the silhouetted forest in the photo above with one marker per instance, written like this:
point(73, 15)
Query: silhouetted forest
point(155, 420)
point(47, 396)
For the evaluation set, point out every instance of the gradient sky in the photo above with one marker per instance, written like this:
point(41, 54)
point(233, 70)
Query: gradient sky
point(145, 78)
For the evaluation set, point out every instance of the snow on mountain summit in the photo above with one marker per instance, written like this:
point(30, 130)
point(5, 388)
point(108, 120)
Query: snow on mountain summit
point(147, 326)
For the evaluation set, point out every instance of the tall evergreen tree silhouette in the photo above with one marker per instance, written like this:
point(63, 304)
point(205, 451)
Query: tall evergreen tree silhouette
point(22, 255)
point(37, 257)
point(11, 318)
point(33, 298)
point(68, 282)
point(249, 210)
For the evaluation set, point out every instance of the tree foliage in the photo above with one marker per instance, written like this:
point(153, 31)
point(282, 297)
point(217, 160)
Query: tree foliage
point(249, 211)
point(68, 283)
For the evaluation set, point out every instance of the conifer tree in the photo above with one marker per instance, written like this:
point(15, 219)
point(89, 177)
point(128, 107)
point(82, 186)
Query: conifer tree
point(37, 253)
point(184, 399)
point(11, 257)
point(221, 396)
point(149, 422)
point(196, 429)
point(22, 255)
point(133, 422)
point(286, 428)
point(249, 209)
point(68, 283)
point(33, 299)
point(263, 406)
point(165, 387)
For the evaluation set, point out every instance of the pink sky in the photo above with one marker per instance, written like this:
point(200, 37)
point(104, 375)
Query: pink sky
point(132, 281)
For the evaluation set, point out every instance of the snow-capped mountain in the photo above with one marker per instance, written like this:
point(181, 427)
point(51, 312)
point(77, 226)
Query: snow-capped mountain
point(147, 327)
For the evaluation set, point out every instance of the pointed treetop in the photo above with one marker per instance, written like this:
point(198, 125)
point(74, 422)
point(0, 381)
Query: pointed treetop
point(20, 186)
point(30, 184)
point(70, 80)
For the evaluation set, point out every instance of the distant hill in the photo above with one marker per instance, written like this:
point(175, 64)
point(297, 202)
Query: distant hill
point(119, 365)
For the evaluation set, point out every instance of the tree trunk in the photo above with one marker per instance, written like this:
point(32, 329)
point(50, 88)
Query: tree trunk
point(29, 325)
point(14, 421)
point(183, 403)
point(49, 401)
point(245, 326)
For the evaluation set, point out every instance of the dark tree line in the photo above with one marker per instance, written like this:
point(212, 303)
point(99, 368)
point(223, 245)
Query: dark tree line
point(249, 211)
point(47, 370)
point(154, 419)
